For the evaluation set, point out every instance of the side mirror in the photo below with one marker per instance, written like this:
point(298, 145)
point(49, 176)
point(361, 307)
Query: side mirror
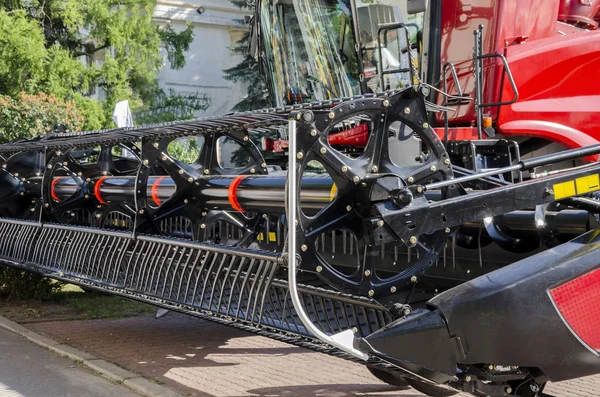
point(416, 6)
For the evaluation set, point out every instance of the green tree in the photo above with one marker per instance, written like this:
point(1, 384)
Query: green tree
point(68, 47)
point(247, 72)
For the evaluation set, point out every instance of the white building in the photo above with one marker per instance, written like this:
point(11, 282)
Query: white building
point(217, 29)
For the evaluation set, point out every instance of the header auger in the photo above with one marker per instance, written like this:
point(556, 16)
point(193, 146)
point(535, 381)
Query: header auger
point(130, 212)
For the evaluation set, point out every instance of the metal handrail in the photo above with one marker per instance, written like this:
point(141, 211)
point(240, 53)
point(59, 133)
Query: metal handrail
point(342, 340)
point(478, 58)
point(381, 72)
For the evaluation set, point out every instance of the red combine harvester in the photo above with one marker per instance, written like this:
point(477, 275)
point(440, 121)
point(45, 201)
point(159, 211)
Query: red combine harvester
point(426, 201)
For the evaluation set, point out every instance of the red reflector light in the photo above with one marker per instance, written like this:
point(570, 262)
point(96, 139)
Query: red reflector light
point(578, 301)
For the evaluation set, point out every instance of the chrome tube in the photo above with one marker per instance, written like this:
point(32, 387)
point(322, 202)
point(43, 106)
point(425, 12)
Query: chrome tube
point(343, 340)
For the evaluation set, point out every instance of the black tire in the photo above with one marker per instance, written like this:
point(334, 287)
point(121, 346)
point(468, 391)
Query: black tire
point(429, 389)
point(391, 378)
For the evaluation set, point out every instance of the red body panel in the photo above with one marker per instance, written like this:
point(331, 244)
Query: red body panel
point(556, 67)
point(559, 94)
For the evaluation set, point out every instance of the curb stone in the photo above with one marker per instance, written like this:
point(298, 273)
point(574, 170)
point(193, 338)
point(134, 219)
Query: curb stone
point(114, 373)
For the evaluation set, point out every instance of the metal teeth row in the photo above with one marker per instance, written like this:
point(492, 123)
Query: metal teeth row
point(264, 118)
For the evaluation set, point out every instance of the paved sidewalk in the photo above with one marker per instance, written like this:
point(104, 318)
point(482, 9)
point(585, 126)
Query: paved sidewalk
point(199, 358)
point(27, 370)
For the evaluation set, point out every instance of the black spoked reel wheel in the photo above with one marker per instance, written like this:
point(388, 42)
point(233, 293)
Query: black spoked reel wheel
point(20, 178)
point(72, 181)
point(347, 243)
point(187, 163)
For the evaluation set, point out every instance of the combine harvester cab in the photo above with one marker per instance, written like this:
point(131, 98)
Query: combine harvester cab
point(376, 235)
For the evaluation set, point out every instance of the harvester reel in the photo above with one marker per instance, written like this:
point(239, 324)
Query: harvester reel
point(81, 167)
point(370, 177)
point(19, 176)
point(203, 223)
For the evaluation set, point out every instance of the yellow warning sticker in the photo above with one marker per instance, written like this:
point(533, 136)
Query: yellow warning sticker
point(581, 185)
point(587, 184)
point(565, 189)
point(272, 236)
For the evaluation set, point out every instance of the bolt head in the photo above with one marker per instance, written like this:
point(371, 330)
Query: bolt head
point(22, 193)
point(263, 165)
point(406, 110)
point(46, 205)
point(313, 132)
point(319, 269)
point(371, 292)
point(410, 179)
point(331, 115)
point(186, 201)
point(356, 179)
point(299, 155)
point(155, 145)
point(425, 125)
point(190, 179)
point(468, 378)
point(374, 169)
point(202, 226)
point(508, 389)
point(344, 168)
point(49, 166)
point(141, 211)
point(145, 162)
point(87, 196)
point(380, 223)
point(205, 172)
point(4, 166)
point(98, 216)
point(413, 279)
point(419, 189)
point(432, 168)
point(413, 239)
point(204, 213)
point(180, 172)
point(252, 170)
point(491, 367)
point(446, 161)
point(164, 158)
point(303, 248)
point(386, 103)
point(447, 230)
point(323, 150)
point(348, 208)
point(367, 273)
point(392, 289)
point(58, 153)
point(246, 139)
point(88, 180)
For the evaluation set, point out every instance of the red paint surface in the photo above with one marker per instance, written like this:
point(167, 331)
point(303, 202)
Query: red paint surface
point(578, 301)
point(555, 67)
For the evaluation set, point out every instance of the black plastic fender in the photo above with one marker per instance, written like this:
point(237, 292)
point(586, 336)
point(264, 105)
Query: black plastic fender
point(507, 317)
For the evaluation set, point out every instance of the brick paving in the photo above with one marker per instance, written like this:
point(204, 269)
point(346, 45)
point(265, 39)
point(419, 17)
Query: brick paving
point(203, 359)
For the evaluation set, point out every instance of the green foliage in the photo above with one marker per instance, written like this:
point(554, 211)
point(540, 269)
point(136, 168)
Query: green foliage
point(186, 149)
point(29, 116)
point(247, 72)
point(68, 47)
point(164, 107)
point(15, 283)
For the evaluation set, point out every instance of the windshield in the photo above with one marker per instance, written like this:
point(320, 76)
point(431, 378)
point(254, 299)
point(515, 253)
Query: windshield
point(309, 49)
point(326, 49)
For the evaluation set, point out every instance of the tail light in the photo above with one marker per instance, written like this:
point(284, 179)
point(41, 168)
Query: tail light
point(578, 302)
